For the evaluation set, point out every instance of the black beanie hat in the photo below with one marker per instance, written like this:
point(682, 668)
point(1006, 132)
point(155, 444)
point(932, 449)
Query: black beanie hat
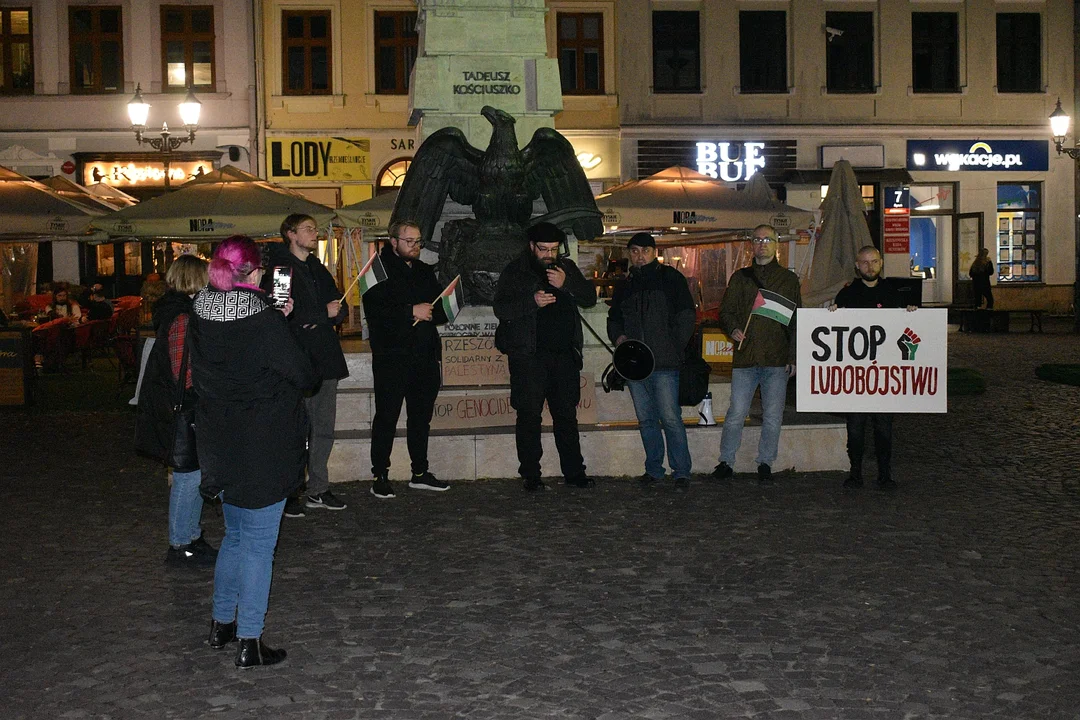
point(545, 232)
point(642, 239)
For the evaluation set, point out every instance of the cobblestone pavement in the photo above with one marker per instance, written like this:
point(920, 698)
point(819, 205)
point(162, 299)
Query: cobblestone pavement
point(954, 597)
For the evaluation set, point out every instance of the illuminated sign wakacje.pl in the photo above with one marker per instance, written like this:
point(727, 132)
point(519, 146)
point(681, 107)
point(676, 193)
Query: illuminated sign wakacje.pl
point(984, 155)
point(730, 162)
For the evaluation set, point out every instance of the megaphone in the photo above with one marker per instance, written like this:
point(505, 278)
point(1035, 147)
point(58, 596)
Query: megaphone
point(633, 360)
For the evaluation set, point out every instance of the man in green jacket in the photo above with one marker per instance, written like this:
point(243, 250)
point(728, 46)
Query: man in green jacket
point(758, 314)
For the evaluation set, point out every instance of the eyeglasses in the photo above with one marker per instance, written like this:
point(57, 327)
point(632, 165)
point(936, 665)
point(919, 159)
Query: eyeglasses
point(411, 242)
point(762, 241)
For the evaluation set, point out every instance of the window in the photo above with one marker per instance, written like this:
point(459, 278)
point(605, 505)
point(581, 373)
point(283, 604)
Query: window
point(1019, 52)
point(16, 52)
point(392, 176)
point(1019, 232)
point(763, 51)
point(97, 49)
point(581, 53)
point(849, 52)
point(935, 52)
point(676, 52)
point(187, 47)
point(396, 45)
point(305, 50)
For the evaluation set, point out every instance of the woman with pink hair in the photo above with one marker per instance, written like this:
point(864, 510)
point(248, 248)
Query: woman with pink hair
point(251, 431)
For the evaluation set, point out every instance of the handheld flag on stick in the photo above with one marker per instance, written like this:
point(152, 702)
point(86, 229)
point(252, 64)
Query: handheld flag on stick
point(773, 306)
point(371, 274)
point(452, 299)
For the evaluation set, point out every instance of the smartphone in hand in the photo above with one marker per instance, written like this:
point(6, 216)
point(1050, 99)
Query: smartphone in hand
point(281, 289)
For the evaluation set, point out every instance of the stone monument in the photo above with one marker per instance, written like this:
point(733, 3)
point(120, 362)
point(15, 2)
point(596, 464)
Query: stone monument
point(481, 72)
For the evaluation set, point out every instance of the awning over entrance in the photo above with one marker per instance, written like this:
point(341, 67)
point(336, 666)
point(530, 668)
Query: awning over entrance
point(864, 176)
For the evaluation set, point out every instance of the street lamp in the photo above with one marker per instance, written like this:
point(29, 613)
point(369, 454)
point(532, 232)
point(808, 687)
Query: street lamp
point(139, 112)
point(1059, 129)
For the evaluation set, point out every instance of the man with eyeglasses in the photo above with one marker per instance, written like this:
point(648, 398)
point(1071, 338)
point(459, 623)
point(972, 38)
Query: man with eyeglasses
point(536, 302)
point(317, 311)
point(764, 353)
point(405, 354)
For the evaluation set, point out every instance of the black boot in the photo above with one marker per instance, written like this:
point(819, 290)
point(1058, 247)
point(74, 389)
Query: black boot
point(253, 652)
point(221, 634)
point(854, 480)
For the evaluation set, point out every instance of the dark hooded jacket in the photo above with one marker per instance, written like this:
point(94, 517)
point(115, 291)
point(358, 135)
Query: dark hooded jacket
point(516, 308)
point(312, 288)
point(654, 305)
point(388, 309)
point(251, 376)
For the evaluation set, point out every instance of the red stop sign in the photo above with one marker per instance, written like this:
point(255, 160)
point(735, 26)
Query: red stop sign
point(68, 167)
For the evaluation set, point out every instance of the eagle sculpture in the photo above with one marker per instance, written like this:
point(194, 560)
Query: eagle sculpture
point(500, 184)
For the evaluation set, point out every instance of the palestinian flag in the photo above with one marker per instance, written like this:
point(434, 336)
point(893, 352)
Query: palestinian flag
point(773, 306)
point(372, 273)
point(452, 299)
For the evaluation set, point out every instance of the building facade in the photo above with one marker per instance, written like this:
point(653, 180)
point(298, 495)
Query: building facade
point(942, 107)
point(69, 69)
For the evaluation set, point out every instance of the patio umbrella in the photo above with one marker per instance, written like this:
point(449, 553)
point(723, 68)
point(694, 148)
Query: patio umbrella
point(371, 214)
point(77, 194)
point(683, 200)
point(213, 206)
point(843, 232)
point(114, 196)
point(33, 211)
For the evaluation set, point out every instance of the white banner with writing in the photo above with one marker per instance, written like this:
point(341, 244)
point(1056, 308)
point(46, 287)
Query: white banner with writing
point(873, 360)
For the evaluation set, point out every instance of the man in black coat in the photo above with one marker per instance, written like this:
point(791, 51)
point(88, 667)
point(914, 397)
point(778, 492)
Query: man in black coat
point(869, 290)
point(654, 306)
point(539, 330)
point(405, 355)
point(317, 311)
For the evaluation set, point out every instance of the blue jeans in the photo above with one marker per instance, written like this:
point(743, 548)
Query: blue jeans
point(773, 382)
point(656, 403)
point(185, 508)
point(245, 564)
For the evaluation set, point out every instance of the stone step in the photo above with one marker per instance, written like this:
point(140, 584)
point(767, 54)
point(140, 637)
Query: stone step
point(807, 444)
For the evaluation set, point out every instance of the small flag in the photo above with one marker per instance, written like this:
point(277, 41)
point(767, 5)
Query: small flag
point(372, 273)
point(452, 299)
point(773, 306)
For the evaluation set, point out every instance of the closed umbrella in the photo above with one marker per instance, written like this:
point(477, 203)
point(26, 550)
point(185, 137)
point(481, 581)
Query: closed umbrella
point(843, 233)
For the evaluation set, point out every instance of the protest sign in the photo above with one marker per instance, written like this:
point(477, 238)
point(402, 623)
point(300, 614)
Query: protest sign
point(873, 360)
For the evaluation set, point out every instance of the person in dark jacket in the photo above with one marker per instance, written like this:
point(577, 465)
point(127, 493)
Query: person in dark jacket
point(980, 273)
point(764, 353)
point(251, 431)
point(654, 306)
point(405, 355)
point(317, 311)
point(536, 302)
point(172, 316)
point(869, 290)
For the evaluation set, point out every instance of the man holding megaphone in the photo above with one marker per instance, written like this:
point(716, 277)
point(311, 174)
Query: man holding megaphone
point(654, 306)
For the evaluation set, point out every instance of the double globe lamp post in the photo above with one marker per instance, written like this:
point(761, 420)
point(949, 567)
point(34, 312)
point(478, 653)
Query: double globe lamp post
point(139, 113)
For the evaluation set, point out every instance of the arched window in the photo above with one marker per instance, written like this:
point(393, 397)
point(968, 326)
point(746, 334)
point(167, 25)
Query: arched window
point(392, 175)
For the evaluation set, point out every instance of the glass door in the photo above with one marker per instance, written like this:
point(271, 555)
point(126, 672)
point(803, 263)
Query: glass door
point(968, 240)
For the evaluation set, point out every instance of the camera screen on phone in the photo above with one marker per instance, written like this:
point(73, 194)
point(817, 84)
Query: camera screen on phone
point(282, 287)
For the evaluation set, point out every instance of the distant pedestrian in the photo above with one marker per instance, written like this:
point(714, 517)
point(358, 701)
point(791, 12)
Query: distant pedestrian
point(869, 290)
point(536, 302)
point(251, 430)
point(405, 354)
point(764, 349)
point(654, 306)
point(317, 311)
point(980, 272)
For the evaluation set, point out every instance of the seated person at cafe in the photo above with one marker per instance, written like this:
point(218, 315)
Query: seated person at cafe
point(63, 307)
point(98, 308)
